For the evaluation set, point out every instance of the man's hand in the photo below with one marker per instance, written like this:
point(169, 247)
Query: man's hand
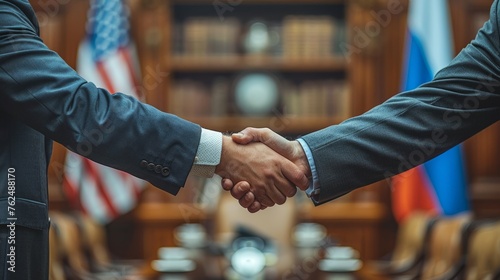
point(270, 177)
point(289, 149)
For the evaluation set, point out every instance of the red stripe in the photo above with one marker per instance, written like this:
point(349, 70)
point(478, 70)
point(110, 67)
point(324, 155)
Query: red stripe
point(125, 54)
point(105, 77)
point(72, 194)
point(411, 193)
point(94, 174)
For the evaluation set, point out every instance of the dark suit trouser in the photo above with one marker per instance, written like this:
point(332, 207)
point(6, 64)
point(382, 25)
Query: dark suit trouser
point(31, 253)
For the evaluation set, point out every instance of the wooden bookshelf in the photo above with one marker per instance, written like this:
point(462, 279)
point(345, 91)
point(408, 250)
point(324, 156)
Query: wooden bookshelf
point(285, 124)
point(188, 64)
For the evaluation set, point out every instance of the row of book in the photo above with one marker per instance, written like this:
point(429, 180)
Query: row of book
point(318, 98)
point(294, 36)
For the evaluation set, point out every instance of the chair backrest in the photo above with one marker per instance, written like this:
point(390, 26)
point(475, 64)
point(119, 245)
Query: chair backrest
point(69, 243)
point(483, 251)
point(276, 222)
point(56, 271)
point(93, 241)
point(444, 250)
point(410, 241)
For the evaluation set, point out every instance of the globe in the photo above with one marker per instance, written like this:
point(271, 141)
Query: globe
point(256, 94)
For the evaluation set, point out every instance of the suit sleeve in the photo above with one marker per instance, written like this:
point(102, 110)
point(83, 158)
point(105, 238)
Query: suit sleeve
point(38, 88)
point(415, 126)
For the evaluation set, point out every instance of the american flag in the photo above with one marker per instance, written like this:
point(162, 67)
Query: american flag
point(107, 58)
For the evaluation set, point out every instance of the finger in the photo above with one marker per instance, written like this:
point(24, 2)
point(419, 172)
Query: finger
point(240, 189)
point(245, 136)
point(227, 184)
point(255, 207)
point(265, 135)
point(263, 198)
point(274, 192)
point(285, 186)
point(295, 175)
point(247, 200)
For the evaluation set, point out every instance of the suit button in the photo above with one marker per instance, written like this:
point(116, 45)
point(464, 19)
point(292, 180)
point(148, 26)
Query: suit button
point(165, 171)
point(151, 166)
point(144, 164)
point(158, 169)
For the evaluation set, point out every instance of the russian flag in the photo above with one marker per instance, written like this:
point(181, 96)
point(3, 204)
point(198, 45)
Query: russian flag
point(439, 185)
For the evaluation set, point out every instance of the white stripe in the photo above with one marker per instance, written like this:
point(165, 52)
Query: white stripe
point(429, 20)
point(86, 67)
point(89, 196)
point(119, 75)
point(119, 190)
point(92, 201)
point(73, 169)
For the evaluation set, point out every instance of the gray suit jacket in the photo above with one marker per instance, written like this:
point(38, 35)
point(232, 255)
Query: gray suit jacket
point(414, 126)
point(43, 99)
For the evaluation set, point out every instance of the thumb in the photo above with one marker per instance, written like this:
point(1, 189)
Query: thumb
point(265, 135)
point(245, 136)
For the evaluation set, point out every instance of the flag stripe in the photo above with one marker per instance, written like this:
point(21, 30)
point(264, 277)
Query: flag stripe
point(447, 175)
point(415, 185)
point(125, 54)
point(71, 193)
point(108, 84)
point(416, 62)
point(95, 176)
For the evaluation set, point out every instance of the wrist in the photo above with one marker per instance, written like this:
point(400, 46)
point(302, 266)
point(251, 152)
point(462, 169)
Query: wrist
point(220, 169)
point(300, 159)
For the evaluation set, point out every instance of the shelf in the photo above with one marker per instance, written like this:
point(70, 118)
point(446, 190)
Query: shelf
point(249, 63)
point(248, 2)
point(280, 124)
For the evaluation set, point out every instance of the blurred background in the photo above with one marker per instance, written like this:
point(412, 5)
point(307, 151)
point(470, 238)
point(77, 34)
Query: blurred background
point(294, 66)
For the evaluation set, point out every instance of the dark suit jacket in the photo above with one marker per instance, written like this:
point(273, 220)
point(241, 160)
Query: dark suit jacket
point(43, 99)
point(414, 126)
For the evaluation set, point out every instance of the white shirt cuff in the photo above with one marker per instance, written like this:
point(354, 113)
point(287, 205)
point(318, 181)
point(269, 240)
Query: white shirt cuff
point(208, 154)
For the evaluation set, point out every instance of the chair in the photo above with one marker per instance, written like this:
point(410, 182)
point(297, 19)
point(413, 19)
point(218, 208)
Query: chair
point(81, 245)
point(483, 251)
point(94, 248)
point(56, 271)
point(69, 246)
point(409, 249)
point(444, 251)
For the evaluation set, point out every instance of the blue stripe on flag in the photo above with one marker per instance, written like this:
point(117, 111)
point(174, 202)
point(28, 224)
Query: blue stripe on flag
point(417, 69)
point(447, 176)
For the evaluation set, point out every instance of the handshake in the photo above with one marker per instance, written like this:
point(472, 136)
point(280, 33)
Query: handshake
point(260, 168)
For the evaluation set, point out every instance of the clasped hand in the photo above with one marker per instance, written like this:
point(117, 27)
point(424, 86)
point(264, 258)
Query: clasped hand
point(260, 168)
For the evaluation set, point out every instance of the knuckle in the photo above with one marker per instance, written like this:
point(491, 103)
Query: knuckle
point(281, 201)
point(291, 192)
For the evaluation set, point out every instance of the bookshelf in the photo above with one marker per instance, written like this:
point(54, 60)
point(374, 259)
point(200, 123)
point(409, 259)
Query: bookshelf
point(206, 47)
